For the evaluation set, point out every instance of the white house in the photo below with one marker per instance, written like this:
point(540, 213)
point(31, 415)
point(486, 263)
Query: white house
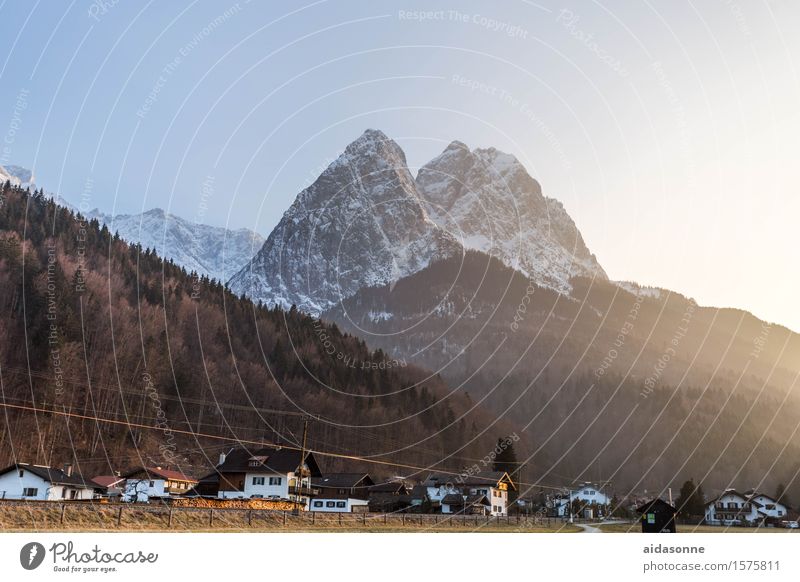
point(437, 487)
point(590, 493)
point(734, 508)
point(41, 483)
point(494, 485)
point(730, 508)
point(268, 473)
point(586, 494)
point(146, 483)
point(558, 505)
point(342, 492)
point(768, 507)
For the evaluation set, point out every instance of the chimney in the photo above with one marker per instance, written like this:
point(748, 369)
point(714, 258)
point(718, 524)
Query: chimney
point(221, 458)
point(68, 469)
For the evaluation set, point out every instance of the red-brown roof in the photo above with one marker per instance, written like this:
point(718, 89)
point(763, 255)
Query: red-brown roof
point(162, 473)
point(107, 480)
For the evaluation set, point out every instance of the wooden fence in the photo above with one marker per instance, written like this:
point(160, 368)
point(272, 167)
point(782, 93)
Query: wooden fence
point(45, 515)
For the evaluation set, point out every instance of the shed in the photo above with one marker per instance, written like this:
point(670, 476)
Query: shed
point(658, 516)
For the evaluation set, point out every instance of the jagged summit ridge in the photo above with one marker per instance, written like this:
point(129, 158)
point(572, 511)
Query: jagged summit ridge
point(488, 197)
point(212, 251)
point(360, 224)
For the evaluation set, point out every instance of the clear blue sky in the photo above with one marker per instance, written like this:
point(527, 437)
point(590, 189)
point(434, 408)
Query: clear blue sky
point(668, 129)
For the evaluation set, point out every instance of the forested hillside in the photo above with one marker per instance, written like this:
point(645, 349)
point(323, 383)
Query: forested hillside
point(95, 327)
point(640, 386)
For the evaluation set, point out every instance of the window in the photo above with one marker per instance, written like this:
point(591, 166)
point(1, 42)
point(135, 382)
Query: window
point(63, 493)
point(30, 492)
point(152, 483)
point(73, 494)
point(341, 504)
point(330, 504)
point(21, 473)
point(258, 480)
point(780, 512)
point(275, 480)
point(318, 504)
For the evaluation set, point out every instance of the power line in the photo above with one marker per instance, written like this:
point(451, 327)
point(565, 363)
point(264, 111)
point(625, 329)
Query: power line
point(253, 442)
point(241, 407)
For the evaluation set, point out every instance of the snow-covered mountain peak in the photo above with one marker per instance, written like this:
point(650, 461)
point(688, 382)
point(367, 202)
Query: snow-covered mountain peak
point(212, 251)
point(491, 202)
point(17, 175)
point(24, 175)
point(361, 223)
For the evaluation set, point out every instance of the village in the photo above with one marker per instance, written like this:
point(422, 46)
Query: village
point(283, 479)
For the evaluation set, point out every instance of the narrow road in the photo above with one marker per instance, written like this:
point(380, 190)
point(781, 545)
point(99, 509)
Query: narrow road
point(589, 528)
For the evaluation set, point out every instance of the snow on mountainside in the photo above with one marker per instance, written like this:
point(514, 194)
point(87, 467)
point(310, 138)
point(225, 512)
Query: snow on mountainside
point(209, 250)
point(360, 224)
point(16, 175)
point(488, 200)
point(24, 175)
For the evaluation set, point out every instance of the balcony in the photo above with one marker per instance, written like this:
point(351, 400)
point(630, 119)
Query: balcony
point(303, 490)
point(722, 508)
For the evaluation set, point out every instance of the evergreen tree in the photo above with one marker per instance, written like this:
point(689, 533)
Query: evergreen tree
point(506, 459)
point(781, 496)
point(691, 500)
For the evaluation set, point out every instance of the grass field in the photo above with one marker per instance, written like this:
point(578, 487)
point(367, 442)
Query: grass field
point(636, 528)
point(103, 517)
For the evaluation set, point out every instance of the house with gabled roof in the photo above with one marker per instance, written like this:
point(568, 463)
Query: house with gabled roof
point(731, 508)
point(466, 504)
point(657, 516)
point(267, 473)
point(110, 485)
point(342, 492)
point(767, 507)
point(41, 483)
point(389, 497)
point(748, 508)
point(144, 484)
point(495, 485)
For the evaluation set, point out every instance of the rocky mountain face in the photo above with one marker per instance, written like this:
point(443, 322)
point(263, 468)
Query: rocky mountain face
point(365, 222)
point(212, 251)
point(360, 224)
point(489, 201)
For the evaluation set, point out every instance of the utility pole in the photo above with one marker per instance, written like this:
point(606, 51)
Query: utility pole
point(569, 506)
point(302, 464)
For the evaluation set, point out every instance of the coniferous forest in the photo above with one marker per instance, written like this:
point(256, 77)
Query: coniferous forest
point(113, 356)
